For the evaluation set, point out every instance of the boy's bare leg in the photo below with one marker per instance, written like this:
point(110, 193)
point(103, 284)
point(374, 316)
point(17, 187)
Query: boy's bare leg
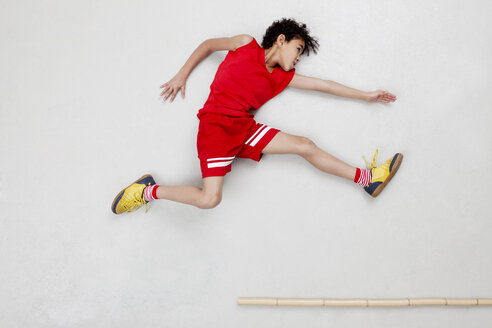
point(207, 197)
point(284, 143)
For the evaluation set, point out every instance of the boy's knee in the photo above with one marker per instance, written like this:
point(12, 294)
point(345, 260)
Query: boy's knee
point(210, 200)
point(306, 146)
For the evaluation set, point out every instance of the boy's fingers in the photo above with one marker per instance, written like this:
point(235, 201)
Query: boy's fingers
point(167, 94)
point(164, 90)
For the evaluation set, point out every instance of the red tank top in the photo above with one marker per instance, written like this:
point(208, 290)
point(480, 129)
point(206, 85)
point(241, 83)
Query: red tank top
point(242, 82)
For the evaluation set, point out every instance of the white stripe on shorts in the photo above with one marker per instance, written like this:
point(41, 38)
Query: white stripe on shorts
point(220, 158)
point(218, 164)
point(254, 135)
point(258, 138)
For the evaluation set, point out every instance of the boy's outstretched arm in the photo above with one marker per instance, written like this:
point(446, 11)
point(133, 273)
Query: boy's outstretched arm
point(201, 52)
point(337, 89)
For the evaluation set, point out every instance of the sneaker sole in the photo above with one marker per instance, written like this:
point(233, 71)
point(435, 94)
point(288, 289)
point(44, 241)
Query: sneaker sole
point(396, 166)
point(121, 192)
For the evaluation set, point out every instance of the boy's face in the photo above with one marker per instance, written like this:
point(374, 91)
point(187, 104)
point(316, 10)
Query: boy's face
point(290, 52)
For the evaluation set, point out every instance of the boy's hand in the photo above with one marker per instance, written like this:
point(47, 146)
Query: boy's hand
point(380, 95)
point(172, 87)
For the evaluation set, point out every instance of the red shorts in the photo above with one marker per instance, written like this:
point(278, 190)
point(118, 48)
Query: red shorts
point(222, 138)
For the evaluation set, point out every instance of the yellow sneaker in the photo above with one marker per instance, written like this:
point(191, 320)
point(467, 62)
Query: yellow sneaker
point(131, 198)
point(382, 174)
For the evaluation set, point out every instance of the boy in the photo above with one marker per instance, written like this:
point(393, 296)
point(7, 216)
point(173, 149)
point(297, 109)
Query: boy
point(249, 76)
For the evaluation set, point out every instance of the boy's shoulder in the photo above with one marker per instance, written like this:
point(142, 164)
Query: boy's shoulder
point(229, 43)
point(242, 40)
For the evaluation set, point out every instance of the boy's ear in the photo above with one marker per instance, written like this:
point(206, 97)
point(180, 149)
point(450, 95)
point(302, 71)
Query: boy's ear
point(281, 38)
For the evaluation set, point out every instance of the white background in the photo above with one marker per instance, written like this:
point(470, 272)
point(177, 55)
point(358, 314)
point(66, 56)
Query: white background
point(81, 118)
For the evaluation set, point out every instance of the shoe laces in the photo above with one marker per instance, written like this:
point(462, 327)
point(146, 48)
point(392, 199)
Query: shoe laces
point(373, 164)
point(139, 202)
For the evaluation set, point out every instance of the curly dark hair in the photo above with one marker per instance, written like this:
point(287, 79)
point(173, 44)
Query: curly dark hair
point(292, 30)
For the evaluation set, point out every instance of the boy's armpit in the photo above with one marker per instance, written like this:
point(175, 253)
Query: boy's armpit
point(229, 43)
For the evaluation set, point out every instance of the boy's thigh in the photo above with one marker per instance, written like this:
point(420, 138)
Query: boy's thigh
point(213, 185)
point(284, 143)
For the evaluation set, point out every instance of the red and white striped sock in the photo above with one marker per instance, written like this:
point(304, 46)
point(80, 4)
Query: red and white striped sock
point(150, 192)
point(362, 177)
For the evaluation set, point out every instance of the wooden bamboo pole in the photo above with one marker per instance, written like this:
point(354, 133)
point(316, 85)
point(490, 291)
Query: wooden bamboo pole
point(363, 302)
